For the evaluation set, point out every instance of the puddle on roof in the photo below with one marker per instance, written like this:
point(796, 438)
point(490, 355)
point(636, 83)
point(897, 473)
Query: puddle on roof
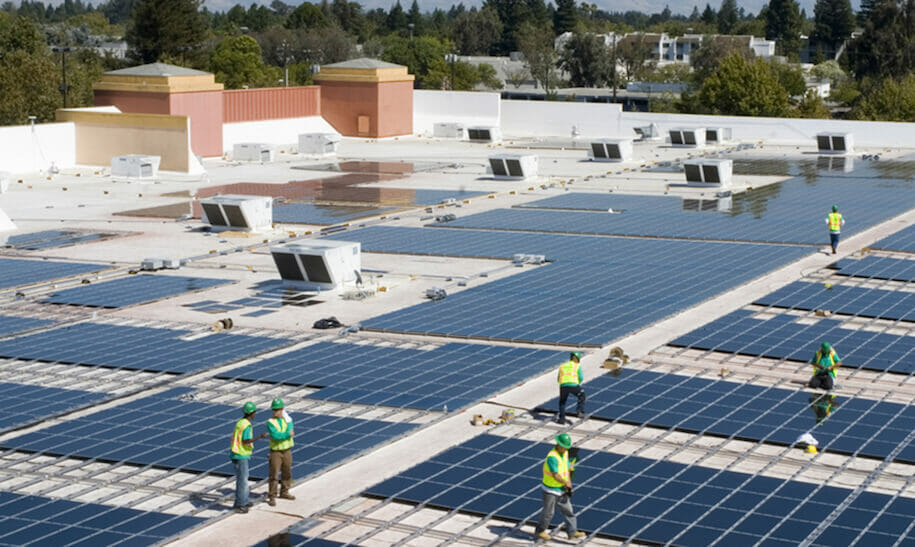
point(381, 167)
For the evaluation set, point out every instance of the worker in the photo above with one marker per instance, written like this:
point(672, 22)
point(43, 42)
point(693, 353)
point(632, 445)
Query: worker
point(556, 489)
point(822, 405)
point(281, 434)
point(570, 379)
point(825, 363)
point(835, 222)
point(242, 447)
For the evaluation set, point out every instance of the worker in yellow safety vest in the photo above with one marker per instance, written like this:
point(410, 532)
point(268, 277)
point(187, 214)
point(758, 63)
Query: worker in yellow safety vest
point(835, 222)
point(242, 447)
point(570, 379)
point(556, 490)
point(280, 429)
point(825, 363)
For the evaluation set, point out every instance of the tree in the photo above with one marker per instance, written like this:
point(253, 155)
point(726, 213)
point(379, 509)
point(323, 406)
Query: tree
point(744, 88)
point(476, 32)
point(829, 70)
point(159, 27)
point(306, 16)
point(28, 74)
point(864, 11)
point(889, 100)
point(887, 45)
point(709, 17)
point(636, 54)
point(237, 62)
point(566, 16)
point(833, 22)
point(536, 44)
point(585, 58)
point(812, 106)
point(713, 50)
point(397, 19)
point(783, 24)
point(727, 16)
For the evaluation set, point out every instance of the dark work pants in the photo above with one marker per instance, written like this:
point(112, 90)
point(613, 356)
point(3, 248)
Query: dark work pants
point(822, 381)
point(834, 241)
point(564, 392)
point(280, 461)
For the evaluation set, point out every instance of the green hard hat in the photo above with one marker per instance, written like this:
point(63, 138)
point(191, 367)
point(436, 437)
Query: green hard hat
point(835, 208)
point(564, 440)
point(277, 404)
point(576, 354)
point(825, 346)
point(249, 408)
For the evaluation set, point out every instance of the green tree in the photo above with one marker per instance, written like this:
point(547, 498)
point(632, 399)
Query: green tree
point(889, 100)
point(887, 45)
point(783, 24)
point(237, 62)
point(424, 57)
point(306, 16)
point(744, 88)
point(566, 17)
point(790, 77)
point(636, 53)
point(834, 22)
point(709, 17)
point(812, 105)
point(586, 59)
point(829, 70)
point(160, 27)
point(712, 51)
point(28, 74)
point(476, 32)
point(488, 76)
point(727, 16)
point(536, 44)
point(864, 11)
point(397, 19)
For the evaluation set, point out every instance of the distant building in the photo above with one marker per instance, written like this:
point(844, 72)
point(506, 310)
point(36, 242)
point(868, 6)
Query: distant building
point(677, 49)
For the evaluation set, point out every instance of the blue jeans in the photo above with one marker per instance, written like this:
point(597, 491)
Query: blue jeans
point(834, 240)
point(241, 482)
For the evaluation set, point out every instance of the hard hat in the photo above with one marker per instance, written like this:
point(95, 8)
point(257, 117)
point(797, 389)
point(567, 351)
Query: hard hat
point(564, 440)
point(249, 408)
point(825, 346)
point(835, 208)
point(277, 404)
point(575, 354)
point(812, 449)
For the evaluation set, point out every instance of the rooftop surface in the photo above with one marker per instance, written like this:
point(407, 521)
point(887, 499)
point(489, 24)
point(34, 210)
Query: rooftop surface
point(717, 302)
point(156, 69)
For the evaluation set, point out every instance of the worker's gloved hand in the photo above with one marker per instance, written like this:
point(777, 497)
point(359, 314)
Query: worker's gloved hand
point(568, 491)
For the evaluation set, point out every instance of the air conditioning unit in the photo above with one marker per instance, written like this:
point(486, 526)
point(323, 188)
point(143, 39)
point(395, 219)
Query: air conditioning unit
point(318, 144)
point(648, 133)
point(449, 130)
point(246, 213)
point(513, 166)
point(688, 136)
point(838, 143)
point(137, 166)
point(611, 150)
point(717, 135)
point(252, 151)
point(842, 164)
point(484, 134)
point(318, 264)
point(708, 172)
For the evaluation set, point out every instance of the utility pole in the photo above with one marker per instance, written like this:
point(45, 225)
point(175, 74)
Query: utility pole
point(64, 88)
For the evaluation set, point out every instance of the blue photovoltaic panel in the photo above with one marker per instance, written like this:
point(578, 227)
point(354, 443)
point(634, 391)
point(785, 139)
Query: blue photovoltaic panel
point(453, 375)
point(24, 404)
point(857, 426)
point(649, 501)
point(434, 197)
point(36, 520)
point(903, 240)
point(165, 431)
point(783, 337)
point(864, 302)
point(51, 239)
point(602, 202)
point(18, 272)
point(878, 267)
point(127, 291)
point(136, 348)
point(310, 213)
point(10, 324)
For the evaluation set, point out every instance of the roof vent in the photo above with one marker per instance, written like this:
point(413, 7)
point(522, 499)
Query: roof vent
point(835, 143)
point(513, 166)
point(137, 166)
point(648, 132)
point(318, 264)
point(484, 134)
point(691, 137)
point(708, 172)
point(611, 150)
point(450, 130)
point(247, 213)
point(717, 135)
point(318, 144)
point(252, 151)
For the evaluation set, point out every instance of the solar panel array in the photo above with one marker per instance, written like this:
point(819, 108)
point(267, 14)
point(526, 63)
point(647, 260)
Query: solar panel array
point(17, 271)
point(166, 430)
point(434, 197)
point(11, 324)
point(128, 291)
point(52, 239)
point(849, 300)
point(878, 267)
point(644, 500)
point(451, 376)
point(40, 521)
point(750, 412)
point(785, 337)
point(903, 240)
point(136, 348)
point(311, 213)
point(24, 404)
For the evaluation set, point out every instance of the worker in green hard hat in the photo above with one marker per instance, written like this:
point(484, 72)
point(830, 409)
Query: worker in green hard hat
point(556, 490)
point(280, 429)
point(835, 221)
point(570, 379)
point(825, 363)
point(242, 447)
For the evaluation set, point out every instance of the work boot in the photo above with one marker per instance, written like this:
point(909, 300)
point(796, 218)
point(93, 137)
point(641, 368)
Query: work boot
point(578, 535)
point(287, 496)
point(271, 502)
point(543, 535)
point(241, 510)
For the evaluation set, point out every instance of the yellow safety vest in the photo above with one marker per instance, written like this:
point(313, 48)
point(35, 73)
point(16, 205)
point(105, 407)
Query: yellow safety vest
point(835, 222)
point(237, 446)
point(563, 472)
point(568, 373)
point(282, 426)
point(832, 361)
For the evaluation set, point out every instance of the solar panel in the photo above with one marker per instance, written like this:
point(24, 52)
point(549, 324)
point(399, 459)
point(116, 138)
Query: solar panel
point(10, 324)
point(52, 239)
point(878, 267)
point(18, 272)
point(37, 520)
point(167, 431)
point(128, 291)
point(643, 500)
point(903, 240)
point(860, 301)
point(136, 348)
point(452, 375)
point(24, 404)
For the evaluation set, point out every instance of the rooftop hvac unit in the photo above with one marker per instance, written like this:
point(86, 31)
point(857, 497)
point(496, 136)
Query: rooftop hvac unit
point(318, 264)
point(708, 172)
point(449, 130)
point(688, 137)
point(252, 151)
point(135, 166)
point(648, 132)
point(247, 213)
point(484, 134)
point(843, 164)
point(318, 144)
point(611, 150)
point(513, 166)
point(717, 135)
point(838, 143)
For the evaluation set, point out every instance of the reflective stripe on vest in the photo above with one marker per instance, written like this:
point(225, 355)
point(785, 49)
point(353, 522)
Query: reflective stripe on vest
point(237, 446)
point(832, 361)
point(563, 472)
point(280, 425)
point(568, 373)
point(835, 222)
